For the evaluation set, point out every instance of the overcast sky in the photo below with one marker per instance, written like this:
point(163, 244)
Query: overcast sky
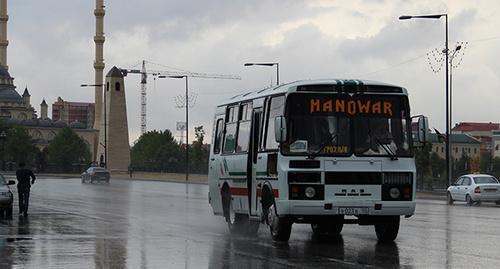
point(51, 51)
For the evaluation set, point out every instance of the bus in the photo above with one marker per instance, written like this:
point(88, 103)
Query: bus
point(321, 152)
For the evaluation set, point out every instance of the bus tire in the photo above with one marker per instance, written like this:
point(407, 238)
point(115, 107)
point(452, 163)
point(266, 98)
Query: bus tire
point(280, 227)
point(387, 228)
point(235, 222)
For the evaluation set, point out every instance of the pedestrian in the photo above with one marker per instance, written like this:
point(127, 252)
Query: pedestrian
point(131, 169)
point(23, 187)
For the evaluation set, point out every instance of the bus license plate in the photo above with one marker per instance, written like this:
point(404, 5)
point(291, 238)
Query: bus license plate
point(353, 210)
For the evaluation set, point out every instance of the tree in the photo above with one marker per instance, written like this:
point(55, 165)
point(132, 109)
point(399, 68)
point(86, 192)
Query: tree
point(461, 166)
point(68, 148)
point(199, 153)
point(475, 165)
point(438, 167)
point(18, 144)
point(157, 151)
point(423, 163)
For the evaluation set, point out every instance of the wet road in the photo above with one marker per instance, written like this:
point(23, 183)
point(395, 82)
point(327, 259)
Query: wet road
point(150, 224)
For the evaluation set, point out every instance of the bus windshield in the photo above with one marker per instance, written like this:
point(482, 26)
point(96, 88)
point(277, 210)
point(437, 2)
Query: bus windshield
point(343, 125)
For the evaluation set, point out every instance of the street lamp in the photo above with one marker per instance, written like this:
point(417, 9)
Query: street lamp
point(269, 64)
point(187, 120)
point(448, 89)
point(105, 123)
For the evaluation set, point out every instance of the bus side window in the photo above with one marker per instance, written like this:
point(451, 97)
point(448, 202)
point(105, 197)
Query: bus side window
point(218, 136)
point(275, 109)
point(244, 127)
point(231, 124)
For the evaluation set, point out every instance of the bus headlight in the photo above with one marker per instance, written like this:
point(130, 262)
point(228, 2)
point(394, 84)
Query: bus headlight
point(310, 192)
point(394, 193)
point(306, 192)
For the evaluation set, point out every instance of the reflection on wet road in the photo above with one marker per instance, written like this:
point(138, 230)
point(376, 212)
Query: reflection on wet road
point(149, 224)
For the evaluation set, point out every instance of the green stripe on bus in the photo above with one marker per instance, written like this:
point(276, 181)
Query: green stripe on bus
point(237, 173)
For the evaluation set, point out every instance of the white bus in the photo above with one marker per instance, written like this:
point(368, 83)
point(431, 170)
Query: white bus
point(322, 152)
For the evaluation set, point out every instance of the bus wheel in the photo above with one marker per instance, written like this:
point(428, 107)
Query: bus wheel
point(235, 222)
point(331, 227)
point(281, 227)
point(387, 228)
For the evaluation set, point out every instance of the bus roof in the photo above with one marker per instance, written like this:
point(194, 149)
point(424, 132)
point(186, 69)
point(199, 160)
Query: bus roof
point(321, 85)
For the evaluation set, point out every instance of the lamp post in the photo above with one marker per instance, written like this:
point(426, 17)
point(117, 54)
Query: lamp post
point(448, 89)
point(269, 64)
point(105, 123)
point(187, 120)
point(3, 136)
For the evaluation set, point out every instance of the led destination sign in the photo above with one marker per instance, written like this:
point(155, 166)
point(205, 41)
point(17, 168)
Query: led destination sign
point(352, 107)
point(346, 105)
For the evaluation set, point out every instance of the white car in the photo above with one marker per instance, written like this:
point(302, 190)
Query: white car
point(474, 188)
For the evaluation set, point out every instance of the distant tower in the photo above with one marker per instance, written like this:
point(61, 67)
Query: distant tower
point(43, 109)
point(3, 33)
point(27, 97)
point(114, 117)
point(99, 39)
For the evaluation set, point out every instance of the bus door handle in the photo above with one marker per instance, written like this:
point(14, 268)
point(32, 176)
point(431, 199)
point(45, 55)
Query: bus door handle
point(213, 159)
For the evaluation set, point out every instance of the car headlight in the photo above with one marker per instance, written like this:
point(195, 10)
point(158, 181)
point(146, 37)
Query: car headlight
point(8, 194)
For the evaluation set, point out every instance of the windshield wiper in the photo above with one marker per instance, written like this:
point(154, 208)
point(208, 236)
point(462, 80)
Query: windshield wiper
point(323, 144)
point(386, 147)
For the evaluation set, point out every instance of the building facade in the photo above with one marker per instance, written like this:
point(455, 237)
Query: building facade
point(481, 131)
point(70, 112)
point(460, 144)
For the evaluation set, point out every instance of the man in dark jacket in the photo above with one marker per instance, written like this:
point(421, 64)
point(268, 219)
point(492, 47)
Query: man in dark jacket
point(23, 187)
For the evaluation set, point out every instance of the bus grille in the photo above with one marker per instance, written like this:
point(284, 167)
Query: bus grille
point(397, 178)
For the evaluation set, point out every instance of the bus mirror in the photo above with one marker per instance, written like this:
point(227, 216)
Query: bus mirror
point(280, 129)
point(423, 129)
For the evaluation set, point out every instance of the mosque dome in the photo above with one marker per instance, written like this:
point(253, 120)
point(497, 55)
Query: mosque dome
point(3, 71)
point(28, 122)
point(45, 122)
point(60, 124)
point(76, 125)
point(12, 120)
point(7, 88)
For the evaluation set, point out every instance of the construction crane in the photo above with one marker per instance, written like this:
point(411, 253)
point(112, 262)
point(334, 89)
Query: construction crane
point(144, 81)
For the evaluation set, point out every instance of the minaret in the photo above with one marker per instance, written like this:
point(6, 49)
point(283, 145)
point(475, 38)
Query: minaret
point(114, 125)
point(3, 33)
point(43, 109)
point(99, 39)
point(27, 97)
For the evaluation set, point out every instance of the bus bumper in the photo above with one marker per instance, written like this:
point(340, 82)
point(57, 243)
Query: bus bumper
point(325, 208)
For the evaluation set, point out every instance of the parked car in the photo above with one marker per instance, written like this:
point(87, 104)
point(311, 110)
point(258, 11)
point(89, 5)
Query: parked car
point(6, 197)
point(474, 188)
point(96, 174)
